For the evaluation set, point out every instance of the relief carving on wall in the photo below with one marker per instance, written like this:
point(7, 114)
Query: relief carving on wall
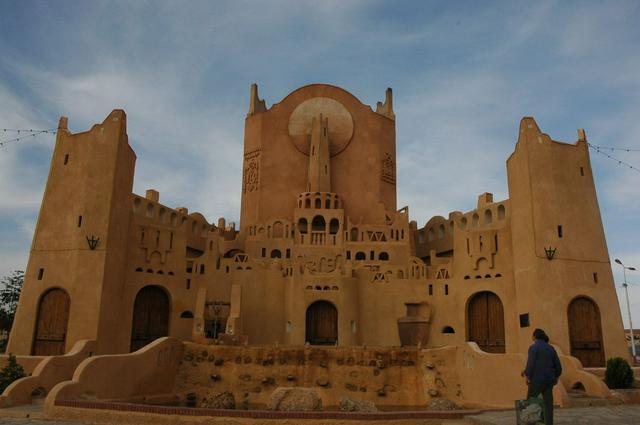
point(323, 265)
point(251, 178)
point(388, 169)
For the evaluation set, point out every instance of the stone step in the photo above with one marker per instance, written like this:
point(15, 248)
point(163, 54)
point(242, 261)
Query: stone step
point(580, 399)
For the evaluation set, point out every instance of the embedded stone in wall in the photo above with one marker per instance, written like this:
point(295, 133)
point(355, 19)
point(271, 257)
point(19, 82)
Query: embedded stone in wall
point(352, 404)
point(294, 399)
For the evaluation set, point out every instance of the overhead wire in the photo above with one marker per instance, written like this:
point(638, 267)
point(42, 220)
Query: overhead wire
point(30, 133)
point(599, 150)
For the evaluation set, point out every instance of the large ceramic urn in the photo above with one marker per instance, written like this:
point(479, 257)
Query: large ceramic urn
point(414, 327)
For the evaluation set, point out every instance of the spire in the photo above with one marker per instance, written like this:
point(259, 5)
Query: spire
point(386, 108)
point(255, 103)
point(319, 164)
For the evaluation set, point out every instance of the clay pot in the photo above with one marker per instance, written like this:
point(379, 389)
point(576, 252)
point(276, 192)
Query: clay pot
point(412, 328)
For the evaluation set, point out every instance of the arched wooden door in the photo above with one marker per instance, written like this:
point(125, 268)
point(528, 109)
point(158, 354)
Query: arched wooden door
point(485, 322)
point(585, 332)
point(51, 325)
point(322, 323)
point(150, 316)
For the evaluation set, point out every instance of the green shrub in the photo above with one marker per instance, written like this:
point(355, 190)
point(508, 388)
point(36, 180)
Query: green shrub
point(618, 373)
point(10, 373)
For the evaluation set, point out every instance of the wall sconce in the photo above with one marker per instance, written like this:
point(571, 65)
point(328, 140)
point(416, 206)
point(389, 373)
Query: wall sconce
point(550, 252)
point(93, 242)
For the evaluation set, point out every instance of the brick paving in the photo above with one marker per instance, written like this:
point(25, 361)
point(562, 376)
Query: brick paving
point(611, 415)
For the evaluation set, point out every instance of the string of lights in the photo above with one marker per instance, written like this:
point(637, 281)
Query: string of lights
point(613, 148)
point(598, 149)
point(29, 133)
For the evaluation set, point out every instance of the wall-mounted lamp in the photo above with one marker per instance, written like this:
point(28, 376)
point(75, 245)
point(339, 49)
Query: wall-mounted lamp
point(550, 252)
point(93, 242)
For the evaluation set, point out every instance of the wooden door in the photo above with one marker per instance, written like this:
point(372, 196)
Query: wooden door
point(150, 316)
point(585, 332)
point(51, 324)
point(322, 323)
point(485, 322)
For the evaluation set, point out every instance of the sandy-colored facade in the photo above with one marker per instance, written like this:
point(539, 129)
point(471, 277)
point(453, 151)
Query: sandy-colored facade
point(323, 253)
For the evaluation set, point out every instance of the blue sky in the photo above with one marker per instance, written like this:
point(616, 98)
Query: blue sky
point(463, 75)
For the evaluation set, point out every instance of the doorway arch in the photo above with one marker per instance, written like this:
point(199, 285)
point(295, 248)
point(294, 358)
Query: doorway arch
point(51, 324)
point(150, 316)
point(322, 324)
point(485, 322)
point(585, 332)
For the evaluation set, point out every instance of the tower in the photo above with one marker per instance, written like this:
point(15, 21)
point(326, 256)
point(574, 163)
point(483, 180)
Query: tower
point(561, 264)
point(78, 255)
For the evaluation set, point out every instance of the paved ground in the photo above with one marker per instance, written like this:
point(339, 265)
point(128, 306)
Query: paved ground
point(613, 415)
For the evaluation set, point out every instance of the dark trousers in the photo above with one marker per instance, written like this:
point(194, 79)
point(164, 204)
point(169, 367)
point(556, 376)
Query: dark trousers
point(547, 397)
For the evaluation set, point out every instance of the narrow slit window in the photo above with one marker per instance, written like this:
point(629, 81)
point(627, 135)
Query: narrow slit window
point(79, 221)
point(40, 274)
point(430, 289)
point(66, 159)
point(495, 240)
point(188, 283)
point(201, 268)
point(171, 240)
point(264, 252)
point(446, 289)
point(467, 245)
point(559, 231)
point(288, 253)
point(595, 277)
point(581, 171)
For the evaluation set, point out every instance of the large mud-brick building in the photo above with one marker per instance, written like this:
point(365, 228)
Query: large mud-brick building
point(323, 254)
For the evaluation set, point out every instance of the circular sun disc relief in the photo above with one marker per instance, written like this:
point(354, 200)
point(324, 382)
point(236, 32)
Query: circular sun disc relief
point(340, 124)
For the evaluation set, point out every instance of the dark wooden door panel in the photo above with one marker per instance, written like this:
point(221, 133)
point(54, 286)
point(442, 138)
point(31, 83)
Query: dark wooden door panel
point(485, 322)
point(585, 332)
point(51, 326)
point(150, 317)
point(322, 323)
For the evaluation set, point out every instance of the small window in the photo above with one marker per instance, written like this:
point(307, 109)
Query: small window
point(430, 289)
point(581, 170)
point(360, 256)
point(495, 240)
point(348, 255)
point(467, 245)
point(446, 289)
point(264, 252)
point(66, 160)
point(188, 283)
point(40, 274)
point(595, 277)
point(372, 255)
point(186, 315)
point(210, 244)
point(288, 253)
point(226, 269)
point(171, 240)
point(139, 269)
point(559, 231)
point(524, 320)
point(201, 268)
point(79, 221)
point(448, 330)
point(276, 253)
point(467, 277)
point(383, 256)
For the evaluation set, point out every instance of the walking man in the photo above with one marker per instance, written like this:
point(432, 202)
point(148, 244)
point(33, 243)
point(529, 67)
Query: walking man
point(542, 372)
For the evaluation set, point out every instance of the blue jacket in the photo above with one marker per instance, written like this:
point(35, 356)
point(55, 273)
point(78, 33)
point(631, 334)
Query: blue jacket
point(543, 364)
